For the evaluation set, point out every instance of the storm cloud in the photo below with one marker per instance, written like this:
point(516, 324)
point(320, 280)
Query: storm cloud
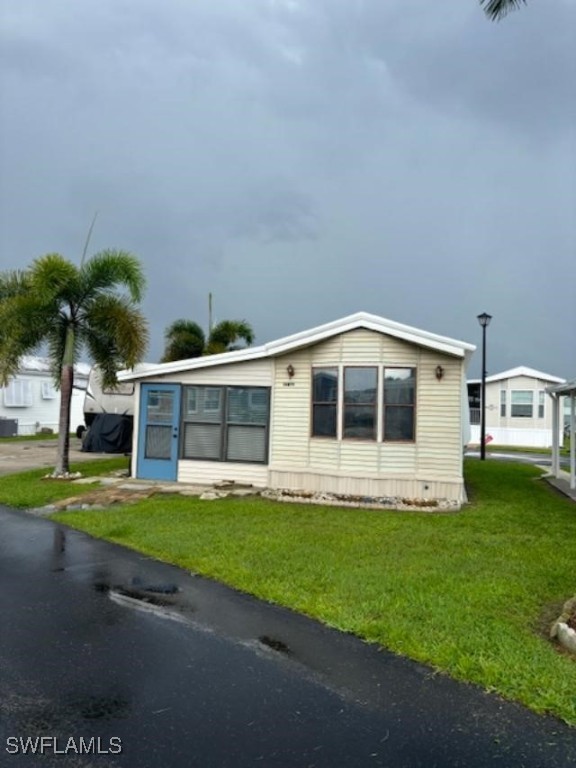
point(304, 160)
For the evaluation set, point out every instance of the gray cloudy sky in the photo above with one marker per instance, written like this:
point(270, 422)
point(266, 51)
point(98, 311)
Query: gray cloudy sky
point(304, 159)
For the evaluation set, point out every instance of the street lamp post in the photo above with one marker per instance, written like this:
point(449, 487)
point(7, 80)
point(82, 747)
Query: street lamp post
point(484, 320)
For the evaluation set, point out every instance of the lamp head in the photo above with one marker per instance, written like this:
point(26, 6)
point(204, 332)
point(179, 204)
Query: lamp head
point(484, 319)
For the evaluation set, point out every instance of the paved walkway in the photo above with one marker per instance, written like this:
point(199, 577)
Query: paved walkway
point(562, 484)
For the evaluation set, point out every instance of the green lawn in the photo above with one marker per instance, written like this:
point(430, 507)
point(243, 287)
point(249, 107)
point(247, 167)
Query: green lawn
point(31, 489)
point(471, 594)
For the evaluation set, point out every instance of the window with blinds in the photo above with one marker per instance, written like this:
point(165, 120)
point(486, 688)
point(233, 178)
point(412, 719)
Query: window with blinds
point(226, 423)
point(18, 394)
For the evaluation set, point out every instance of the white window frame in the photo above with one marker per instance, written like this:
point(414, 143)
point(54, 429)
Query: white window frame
point(503, 403)
point(512, 403)
point(18, 394)
point(48, 391)
point(541, 404)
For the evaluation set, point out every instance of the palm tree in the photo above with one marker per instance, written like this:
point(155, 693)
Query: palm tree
point(497, 9)
point(186, 339)
point(70, 308)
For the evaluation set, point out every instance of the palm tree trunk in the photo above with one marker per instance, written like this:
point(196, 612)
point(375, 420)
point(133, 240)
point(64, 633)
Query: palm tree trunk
point(66, 388)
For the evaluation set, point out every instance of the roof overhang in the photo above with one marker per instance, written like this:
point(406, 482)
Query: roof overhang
point(568, 388)
point(442, 344)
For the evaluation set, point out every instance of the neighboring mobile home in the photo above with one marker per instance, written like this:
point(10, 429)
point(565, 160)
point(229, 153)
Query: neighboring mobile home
point(360, 406)
point(518, 412)
point(31, 402)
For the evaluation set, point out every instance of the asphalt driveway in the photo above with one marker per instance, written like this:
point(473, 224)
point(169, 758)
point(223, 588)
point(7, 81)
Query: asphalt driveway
point(101, 643)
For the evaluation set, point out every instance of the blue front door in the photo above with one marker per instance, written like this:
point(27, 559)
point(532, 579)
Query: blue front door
point(158, 432)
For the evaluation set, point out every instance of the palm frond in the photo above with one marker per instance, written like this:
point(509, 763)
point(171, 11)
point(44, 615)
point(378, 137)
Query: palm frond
point(115, 331)
point(227, 332)
point(184, 339)
point(111, 269)
point(183, 327)
point(24, 324)
point(497, 9)
point(13, 282)
point(54, 279)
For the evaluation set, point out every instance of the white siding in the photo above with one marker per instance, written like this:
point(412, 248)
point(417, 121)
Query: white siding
point(255, 373)
point(431, 466)
point(439, 418)
point(43, 412)
point(509, 430)
point(208, 472)
point(530, 438)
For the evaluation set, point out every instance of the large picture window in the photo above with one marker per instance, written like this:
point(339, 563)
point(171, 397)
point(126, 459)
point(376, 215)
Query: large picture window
point(348, 403)
point(521, 404)
point(360, 396)
point(399, 404)
point(324, 402)
point(226, 423)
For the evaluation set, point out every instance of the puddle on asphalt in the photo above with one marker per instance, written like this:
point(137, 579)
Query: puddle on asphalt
point(275, 644)
point(144, 596)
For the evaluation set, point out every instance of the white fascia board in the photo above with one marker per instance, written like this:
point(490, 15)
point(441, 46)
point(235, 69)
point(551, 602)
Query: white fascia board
point(162, 369)
point(307, 338)
point(373, 323)
point(523, 370)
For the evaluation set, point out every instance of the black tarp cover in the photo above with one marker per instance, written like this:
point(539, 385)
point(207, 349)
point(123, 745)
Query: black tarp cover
point(109, 433)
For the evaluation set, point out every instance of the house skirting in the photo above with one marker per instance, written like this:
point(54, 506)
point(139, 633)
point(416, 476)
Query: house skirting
point(531, 438)
point(306, 479)
point(376, 487)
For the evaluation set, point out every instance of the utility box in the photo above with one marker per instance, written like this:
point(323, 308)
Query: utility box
point(8, 427)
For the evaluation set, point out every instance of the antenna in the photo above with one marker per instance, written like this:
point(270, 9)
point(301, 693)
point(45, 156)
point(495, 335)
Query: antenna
point(209, 313)
point(88, 236)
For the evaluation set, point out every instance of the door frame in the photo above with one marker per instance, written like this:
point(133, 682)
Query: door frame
point(159, 468)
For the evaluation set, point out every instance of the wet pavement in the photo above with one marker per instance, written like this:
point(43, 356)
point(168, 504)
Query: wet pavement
point(101, 643)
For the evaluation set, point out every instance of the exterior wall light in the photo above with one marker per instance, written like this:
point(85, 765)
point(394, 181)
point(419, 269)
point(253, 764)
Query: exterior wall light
point(439, 372)
point(290, 371)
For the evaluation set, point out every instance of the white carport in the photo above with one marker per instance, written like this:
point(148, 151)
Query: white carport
point(557, 393)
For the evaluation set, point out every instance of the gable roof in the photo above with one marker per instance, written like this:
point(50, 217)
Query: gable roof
point(523, 370)
point(308, 338)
